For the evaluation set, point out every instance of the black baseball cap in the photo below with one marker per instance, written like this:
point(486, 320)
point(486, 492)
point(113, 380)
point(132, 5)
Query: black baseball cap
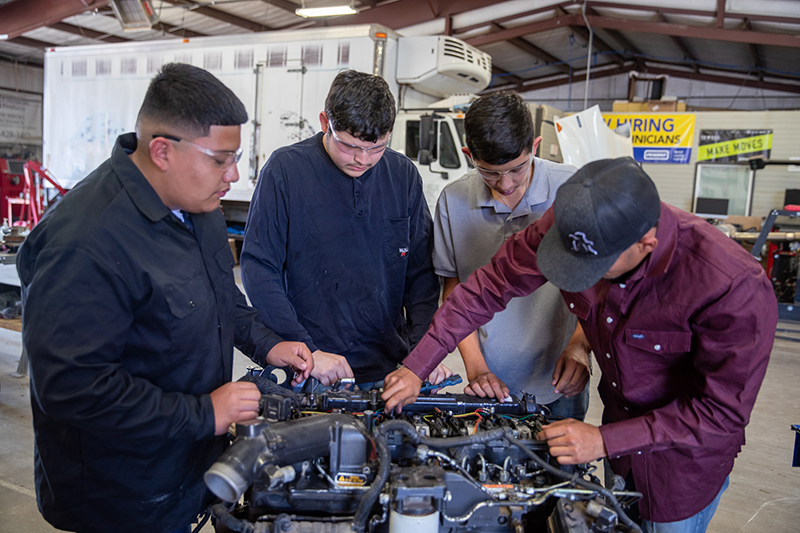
point(600, 212)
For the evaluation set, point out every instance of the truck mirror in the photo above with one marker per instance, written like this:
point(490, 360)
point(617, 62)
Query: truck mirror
point(424, 157)
point(427, 139)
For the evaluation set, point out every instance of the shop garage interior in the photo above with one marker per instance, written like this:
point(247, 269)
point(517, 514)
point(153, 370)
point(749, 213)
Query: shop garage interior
point(729, 67)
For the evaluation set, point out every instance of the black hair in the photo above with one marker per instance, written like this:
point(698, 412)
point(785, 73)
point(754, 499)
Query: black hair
point(191, 99)
point(499, 128)
point(361, 104)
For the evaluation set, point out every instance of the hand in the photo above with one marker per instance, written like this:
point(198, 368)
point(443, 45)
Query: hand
point(234, 402)
point(572, 370)
point(293, 354)
point(487, 385)
point(330, 367)
point(400, 388)
point(439, 374)
point(573, 442)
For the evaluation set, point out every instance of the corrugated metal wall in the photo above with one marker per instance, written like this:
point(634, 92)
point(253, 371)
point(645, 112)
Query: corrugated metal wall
point(676, 182)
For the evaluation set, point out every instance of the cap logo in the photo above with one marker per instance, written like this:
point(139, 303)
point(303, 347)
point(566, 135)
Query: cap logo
point(581, 244)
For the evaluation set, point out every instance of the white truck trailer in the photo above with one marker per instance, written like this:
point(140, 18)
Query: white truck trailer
point(92, 94)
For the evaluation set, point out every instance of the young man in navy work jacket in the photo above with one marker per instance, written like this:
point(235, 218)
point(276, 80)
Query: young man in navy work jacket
point(130, 317)
point(680, 318)
point(337, 246)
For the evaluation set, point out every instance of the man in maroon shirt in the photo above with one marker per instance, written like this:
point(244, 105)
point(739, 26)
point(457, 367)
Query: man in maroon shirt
point(680, 318)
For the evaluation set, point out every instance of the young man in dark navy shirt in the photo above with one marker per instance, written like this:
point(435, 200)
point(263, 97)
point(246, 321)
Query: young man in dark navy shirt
point(130, 317)
point(337, 248)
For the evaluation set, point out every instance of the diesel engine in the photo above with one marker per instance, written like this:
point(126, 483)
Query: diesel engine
point(337, 463)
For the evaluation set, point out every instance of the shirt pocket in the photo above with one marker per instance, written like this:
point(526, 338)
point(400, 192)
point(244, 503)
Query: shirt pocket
point(396, 240)
point(578, 305)
point(664, 343)
point(190, 312)
point(187, 298)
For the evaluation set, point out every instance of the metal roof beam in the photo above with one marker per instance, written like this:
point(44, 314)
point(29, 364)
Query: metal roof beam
point(506, 76)
point(17, 18)
point(535, 51)
point(283, 4)
point(694, 12)
point(727, 80)
point(408, 12)
point(578, 75)
point(662, 28)
point(759, 64)
point(220, 15)
point(677, 41)
point(597, 42)
point(32, 43)
point(89, 33)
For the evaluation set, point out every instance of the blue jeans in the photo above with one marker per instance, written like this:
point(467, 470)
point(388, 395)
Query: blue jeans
point(574, 407)
point(694, 524)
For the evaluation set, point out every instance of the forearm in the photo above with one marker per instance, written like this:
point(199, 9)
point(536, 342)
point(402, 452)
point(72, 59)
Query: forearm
point(474, 362)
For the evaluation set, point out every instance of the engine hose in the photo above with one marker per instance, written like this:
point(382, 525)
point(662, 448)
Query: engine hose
point(225, 518)
point(607, 494)
point(371, 496)
point(411, 432)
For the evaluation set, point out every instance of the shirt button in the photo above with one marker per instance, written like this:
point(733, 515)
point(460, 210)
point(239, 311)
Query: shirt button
point(572, 306)
point(609, 320)
point(626, 408)
point(622, 285)
point(638, 453)
point(657, 347)
point(614, 384)
point(608, 355)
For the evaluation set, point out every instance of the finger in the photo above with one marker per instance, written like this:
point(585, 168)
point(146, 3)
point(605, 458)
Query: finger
point(477, 390)
point(557, 371)
point(486, 386)
point(498, 392)
point(565, 378)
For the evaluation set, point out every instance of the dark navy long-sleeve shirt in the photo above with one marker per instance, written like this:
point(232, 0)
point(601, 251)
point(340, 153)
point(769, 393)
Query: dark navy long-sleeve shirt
point(342, 264)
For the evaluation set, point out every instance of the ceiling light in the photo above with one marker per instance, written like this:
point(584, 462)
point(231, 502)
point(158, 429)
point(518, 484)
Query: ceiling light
point(327, 11)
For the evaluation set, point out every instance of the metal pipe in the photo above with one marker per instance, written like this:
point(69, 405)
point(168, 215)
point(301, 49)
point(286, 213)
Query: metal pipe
point(772, 236)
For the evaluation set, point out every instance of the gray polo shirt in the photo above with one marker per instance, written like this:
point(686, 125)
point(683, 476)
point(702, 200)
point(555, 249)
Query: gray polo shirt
point(522, 343)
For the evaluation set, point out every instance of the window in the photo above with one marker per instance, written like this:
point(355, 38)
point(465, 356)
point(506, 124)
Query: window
point(312, 55)
point(731, 182)
point(277, 57)
point(344, 54)
point(79, 68)
point(103, 67)
point(212, 61)
point(154, 63)
point(449, 151)
point(128, 65)
point(243, 59)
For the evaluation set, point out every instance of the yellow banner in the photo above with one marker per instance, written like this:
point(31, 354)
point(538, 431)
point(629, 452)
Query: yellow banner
point(657, 137)
point(746, 145)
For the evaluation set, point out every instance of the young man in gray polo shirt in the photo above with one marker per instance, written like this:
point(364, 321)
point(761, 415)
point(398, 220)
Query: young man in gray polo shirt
point(532, 346)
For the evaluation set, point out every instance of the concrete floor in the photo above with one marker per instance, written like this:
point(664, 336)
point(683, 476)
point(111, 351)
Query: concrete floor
point(764, 493)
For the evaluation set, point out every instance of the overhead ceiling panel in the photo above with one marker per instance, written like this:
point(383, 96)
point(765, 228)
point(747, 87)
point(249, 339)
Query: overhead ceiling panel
point(508, 58)
point(261, 12)
point(185, 18)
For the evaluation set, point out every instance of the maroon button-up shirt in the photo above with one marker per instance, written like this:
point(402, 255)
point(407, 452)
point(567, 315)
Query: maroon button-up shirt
point(683, 344)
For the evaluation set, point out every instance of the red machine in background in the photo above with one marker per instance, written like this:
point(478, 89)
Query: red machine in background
point(12, 183)
point(23, 194)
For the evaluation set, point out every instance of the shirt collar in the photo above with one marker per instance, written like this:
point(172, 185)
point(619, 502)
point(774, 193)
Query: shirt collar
point(538, 191)
point(138, 188)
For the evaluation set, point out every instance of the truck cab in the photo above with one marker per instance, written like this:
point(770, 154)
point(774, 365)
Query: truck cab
point(432, 139)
